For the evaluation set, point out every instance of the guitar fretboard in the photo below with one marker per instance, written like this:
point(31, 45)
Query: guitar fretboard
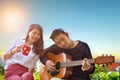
point(73, 63)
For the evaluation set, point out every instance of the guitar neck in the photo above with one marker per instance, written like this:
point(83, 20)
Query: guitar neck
point(73, 63)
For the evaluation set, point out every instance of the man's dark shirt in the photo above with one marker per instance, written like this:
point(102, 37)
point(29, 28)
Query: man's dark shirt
point(79, 52)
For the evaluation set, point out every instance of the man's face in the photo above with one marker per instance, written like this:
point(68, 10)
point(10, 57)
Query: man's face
point(62, 41)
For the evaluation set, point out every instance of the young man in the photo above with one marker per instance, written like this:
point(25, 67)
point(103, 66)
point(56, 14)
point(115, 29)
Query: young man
point(78, 50)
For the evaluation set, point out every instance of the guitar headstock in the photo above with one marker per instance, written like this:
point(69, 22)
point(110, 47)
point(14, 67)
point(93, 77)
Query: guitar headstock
point(104, 59)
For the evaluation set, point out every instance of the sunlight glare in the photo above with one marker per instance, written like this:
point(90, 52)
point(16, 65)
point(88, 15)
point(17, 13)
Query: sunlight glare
point(12, 18)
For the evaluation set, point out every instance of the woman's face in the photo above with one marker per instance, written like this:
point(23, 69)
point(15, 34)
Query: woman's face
point(34, 35)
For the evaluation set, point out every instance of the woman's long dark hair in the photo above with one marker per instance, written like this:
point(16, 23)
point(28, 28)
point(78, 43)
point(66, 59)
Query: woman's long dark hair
point(38, 46)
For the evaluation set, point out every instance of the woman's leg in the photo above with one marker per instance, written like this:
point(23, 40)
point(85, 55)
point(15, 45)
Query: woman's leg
point(27, 76)
point(14, 72)
point(13, 77)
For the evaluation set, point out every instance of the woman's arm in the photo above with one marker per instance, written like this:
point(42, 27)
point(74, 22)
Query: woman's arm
point(9, 55)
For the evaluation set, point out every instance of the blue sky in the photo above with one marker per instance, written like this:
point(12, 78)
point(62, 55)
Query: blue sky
point(96, 22)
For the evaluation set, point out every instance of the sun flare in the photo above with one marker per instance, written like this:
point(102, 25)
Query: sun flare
point(11, 18)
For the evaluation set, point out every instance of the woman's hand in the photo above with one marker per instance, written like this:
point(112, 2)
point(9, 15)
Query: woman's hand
point(12, 52)
point(17, 49)
point(8, 55)
point(85, 64)
point(31, 70)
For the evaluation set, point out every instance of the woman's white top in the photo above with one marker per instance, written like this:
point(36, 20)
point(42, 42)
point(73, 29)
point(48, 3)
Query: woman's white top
point(27, 61)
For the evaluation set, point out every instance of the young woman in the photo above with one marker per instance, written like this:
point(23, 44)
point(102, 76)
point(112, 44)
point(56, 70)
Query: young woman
point(22, 55)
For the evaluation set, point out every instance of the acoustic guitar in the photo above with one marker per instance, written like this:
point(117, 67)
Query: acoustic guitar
point(63, 66)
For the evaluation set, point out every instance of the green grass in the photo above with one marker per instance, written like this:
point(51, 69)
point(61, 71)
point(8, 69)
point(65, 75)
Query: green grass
point(36, 76)
point(1, 77)
point(102, 73)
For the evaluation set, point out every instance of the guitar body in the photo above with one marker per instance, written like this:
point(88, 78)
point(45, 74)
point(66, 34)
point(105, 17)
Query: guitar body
point(63, 72)
point(65, 67)
point(44, 73)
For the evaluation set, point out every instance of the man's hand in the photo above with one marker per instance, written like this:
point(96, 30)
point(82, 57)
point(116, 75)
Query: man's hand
point(85, 64)
point(50, 65)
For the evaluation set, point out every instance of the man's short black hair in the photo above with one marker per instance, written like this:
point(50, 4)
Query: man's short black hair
point(56, 32)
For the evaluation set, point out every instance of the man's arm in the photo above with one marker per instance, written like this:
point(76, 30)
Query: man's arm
point(53, 49)
point(88, 55)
